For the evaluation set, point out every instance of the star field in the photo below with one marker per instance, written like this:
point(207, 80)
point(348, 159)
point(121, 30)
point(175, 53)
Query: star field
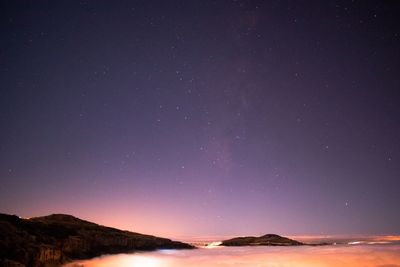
point(184, 118)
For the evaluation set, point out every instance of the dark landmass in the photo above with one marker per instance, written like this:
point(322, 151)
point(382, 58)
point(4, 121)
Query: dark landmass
point(56, 239)
point(265, 240)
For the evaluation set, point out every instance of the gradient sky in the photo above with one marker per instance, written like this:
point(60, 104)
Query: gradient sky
point(201, 118)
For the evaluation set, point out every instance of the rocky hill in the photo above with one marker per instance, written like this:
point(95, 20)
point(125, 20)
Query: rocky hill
point(58, 238)
point(265, 240)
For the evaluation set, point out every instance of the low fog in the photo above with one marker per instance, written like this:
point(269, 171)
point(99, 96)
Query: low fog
point(340, 255)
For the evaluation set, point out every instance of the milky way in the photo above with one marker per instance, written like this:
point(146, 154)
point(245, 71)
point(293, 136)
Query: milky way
point(198, 118)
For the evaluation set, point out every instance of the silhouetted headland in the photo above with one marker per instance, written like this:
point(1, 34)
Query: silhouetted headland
point(55, 239)
point(265, 240)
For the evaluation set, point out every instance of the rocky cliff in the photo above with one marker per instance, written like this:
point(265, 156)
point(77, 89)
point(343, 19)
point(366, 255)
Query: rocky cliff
point(58, 238)
point(265, 240)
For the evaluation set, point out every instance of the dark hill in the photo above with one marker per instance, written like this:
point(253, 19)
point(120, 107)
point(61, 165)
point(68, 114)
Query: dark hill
point(58, 238)
point(265, 240)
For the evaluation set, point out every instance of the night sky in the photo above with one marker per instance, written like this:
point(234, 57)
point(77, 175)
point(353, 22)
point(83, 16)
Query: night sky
point(203, 118)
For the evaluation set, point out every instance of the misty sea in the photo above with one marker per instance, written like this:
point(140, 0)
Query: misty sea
point(354, 254)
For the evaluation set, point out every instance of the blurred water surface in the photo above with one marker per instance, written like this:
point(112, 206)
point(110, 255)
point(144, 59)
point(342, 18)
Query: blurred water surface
point(365, 255)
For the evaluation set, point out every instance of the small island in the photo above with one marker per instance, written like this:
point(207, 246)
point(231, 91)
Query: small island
point(56, 239)
point(265, 240)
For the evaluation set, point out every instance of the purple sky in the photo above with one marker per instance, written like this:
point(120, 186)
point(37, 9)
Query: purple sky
point(200, 118)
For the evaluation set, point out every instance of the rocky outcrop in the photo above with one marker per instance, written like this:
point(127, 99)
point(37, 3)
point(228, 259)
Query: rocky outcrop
point(265, 240)
point(58, 238)
point(10, 263)
point(48, 255)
